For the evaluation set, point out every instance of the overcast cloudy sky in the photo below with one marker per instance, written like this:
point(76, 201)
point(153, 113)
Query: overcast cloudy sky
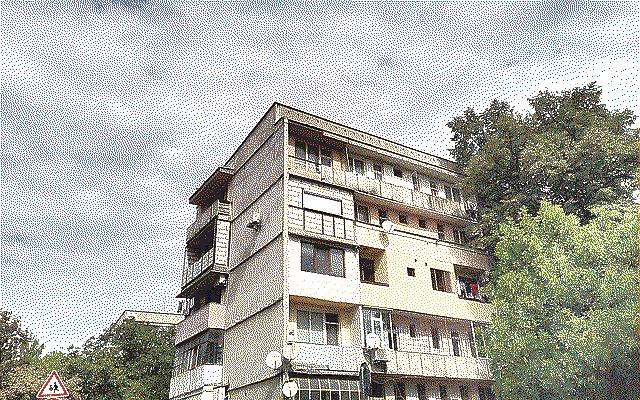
point(112, 115)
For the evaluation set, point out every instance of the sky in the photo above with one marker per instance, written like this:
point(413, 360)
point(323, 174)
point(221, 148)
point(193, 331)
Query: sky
point(113, 113)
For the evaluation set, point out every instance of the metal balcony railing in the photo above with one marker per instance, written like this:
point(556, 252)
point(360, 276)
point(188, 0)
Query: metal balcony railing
point(206, 216)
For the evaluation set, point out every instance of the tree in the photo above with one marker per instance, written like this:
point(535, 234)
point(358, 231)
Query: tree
point(571, 151)
point(128, 361)
point(566, 306)
point(18, 347)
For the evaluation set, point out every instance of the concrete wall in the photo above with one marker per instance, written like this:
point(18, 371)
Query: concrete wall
point(326, 287)
point(270, 389)
point(255, 317)
point(415, 294)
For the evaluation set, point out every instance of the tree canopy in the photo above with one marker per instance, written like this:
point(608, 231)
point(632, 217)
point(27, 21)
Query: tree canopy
point(571, 150)
point(566, 306)
point(130, 360)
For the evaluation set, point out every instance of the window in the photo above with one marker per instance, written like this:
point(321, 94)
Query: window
point(325, 157)
point(415, 181)
point(398, 391)
point(327, 388)
point(443, 392)
point(317, 328)
point(367, 270)
point(411, 271)
point(422, 223)
point(362, 213)
point(377, 171)
point(455, 343)
point(459, 237)
point(456, 195)
point(205, 349)
point(322, 259)
point(434, 188)
point(435, 338)
point(382, 215)
point(464, 393)
point(357, 166)
point(320, 203)
point(377, 389)
point(447, 192)
point(402, 218)
point(397, 172)
point(440, 280)
point(422, 391)
point(412, 331)
point(478, 341)
point(441, 235)
point(378, 322)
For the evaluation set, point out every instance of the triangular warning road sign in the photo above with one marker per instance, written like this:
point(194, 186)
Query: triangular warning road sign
point(52, 388)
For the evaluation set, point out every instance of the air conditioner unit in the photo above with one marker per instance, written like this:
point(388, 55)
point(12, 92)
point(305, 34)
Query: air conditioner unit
point(381, 355)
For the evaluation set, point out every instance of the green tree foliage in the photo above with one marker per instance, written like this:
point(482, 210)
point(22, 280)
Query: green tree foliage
point(18, 349)
point(571, 151)
point(566, 306)
point(128, 361)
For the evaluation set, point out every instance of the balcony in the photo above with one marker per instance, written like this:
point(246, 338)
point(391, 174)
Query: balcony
point(375, 187)
point(317, 358)
point(206, 216)
point(436, 365)
point(194, 380)
point(211, 316)
point(213, 260)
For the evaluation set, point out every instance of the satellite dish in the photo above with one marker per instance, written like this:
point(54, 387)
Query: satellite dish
point(388, 226)
point(290, 389)
point(274, 360)
point(373, 341)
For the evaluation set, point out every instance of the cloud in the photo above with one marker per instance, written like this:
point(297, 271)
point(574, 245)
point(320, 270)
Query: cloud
point(114, 112)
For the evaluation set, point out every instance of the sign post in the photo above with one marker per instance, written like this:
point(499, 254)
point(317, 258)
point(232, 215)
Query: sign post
point(53, 388)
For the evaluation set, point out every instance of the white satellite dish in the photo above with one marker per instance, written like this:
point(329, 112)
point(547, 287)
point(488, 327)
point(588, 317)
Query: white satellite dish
point(388, 226)
point(273, 360)
point(290, 389)
point(373, 341)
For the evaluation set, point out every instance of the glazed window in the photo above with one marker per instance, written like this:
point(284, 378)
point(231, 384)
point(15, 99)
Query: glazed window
point(321, 259)
point(317, 328)
point(362, 213)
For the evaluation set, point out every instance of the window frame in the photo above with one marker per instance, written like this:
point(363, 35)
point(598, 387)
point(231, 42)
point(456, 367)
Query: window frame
point(315, 256)
point(442, 235)
point(325, 323)
point(363, 211)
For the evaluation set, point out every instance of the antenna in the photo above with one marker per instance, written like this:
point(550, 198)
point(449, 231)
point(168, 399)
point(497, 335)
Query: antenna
point(273, 360)
point(388, 226)
point(373, 341)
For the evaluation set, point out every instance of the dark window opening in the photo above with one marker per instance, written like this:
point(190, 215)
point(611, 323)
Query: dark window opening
point(439, 280)
point(443, 392)
point(322, 259)
point(377, 389)
point(456, 195)
point(382, 215)
point(411, 271)
point(435, 337)
point(397, 172)
point(464, 393)
point(422, 391)
point(399, 391)
point(402, 218)
point(455, 343)
point(367, 270)
point(441, 235)
point(377, 171)
point(412, 331)
point(362, 213)
point(422, 223)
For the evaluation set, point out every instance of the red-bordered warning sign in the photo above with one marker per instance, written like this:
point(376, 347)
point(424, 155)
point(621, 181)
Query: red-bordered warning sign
point(53, 388)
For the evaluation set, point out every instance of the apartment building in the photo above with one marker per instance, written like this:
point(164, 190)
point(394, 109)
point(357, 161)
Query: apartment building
point(341, 250)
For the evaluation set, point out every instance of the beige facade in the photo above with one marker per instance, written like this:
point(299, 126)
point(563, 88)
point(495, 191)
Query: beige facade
point(289, 253)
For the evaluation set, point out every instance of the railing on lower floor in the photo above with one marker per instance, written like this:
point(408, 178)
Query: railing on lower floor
point(195, 379)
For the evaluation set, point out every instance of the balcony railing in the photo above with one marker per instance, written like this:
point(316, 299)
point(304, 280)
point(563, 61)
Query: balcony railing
point(377, 187)
point(436, 365)
point(205, 217)
point(210, 316)
point(322, 358)
point(195, 380)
